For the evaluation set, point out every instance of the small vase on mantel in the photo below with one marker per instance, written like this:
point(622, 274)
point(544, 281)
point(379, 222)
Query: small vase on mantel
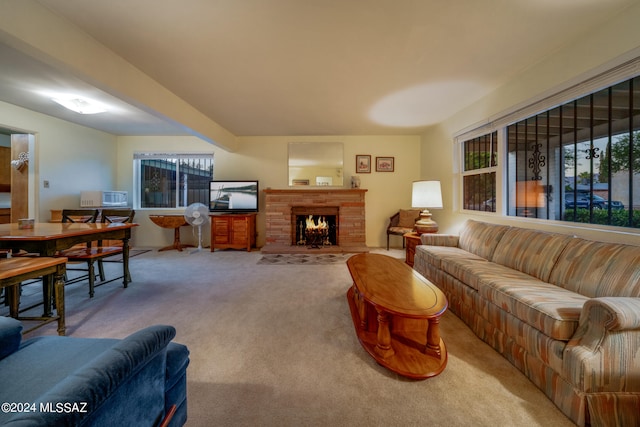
point(355, 182)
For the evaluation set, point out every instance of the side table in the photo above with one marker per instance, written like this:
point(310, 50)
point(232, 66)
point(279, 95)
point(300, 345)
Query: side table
point(171, 221)
point(411, 240)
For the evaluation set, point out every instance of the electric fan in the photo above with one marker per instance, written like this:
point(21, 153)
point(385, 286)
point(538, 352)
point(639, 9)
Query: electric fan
point(196, 216)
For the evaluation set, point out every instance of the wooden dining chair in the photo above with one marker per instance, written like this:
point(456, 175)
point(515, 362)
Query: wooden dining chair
point(111, 248)
point(97, 251)
point(79, 215)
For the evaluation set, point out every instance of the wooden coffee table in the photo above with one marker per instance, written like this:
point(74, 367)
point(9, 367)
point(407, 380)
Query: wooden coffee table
point(396, 314)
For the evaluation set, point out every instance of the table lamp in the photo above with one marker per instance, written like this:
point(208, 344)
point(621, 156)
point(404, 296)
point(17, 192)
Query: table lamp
point(424, 195)
point(529, 194)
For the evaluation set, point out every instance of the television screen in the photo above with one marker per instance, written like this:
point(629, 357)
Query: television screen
point(233, 196)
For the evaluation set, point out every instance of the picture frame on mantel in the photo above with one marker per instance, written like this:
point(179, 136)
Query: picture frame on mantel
point(385, 164)
point(363, 163)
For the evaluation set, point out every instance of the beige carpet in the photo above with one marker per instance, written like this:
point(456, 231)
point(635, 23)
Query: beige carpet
point(274, 345)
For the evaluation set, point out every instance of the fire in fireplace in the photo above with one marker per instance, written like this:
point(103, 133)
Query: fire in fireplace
point(315, 230)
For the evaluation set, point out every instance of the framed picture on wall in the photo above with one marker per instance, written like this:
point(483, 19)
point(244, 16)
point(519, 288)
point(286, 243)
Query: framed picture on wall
point(384, 164)
point(363, 163)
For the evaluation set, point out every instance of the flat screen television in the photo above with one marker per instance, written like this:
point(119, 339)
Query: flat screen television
point(233, 196)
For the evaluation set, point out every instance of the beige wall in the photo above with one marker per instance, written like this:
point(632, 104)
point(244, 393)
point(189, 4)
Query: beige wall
point(72, 158)
point(592, 54)
point(265, 159)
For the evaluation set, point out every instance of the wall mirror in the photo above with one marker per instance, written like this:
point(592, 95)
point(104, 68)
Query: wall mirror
point(316, 164)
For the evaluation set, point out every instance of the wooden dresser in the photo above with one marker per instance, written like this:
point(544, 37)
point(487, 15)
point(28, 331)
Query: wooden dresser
point(233, 231)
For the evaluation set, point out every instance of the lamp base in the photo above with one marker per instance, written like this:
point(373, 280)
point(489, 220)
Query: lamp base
point(425, 224)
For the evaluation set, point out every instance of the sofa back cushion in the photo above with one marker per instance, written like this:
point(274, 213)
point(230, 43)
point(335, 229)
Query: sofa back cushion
point(530, 251)
point(481, 238)
point(598, 269)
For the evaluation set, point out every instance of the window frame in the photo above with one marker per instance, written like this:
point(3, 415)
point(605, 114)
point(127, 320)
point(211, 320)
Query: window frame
point(165, 155)
point(585, 85)
point(497, 169)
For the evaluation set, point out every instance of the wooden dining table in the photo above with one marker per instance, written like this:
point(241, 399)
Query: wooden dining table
point(14, 271)
point(46, 239)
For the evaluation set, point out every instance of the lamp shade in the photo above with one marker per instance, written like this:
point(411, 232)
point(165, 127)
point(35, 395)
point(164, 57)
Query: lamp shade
point(529, 194)
point(426, 194)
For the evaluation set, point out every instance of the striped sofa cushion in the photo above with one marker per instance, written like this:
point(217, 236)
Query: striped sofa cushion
point(548, 308)
point(530, 251)
point(472, 271)
point(598, 269)
point(481, 238)
point(436, 255)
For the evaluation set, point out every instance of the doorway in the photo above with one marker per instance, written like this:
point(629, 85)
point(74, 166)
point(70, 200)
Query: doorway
point(17, 178)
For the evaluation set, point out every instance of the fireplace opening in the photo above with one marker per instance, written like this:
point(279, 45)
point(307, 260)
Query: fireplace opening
point(315, 227)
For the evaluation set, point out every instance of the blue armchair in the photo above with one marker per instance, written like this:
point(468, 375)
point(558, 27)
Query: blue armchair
point(55, 380)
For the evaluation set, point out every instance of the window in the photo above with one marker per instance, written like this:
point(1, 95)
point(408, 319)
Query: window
point(480, 163)
point(572, 155)
point(172, 180)
point(580, 161)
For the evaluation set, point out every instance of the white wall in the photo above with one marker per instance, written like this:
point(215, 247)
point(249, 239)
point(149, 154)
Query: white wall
point(591, 54)
point(265, 159)
point(72, 158)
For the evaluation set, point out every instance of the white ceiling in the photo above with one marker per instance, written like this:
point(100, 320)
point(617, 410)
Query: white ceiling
point(307, 67)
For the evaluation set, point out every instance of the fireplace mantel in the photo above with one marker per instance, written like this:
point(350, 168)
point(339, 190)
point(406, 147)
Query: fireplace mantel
point(351, 227)
point(317, 190)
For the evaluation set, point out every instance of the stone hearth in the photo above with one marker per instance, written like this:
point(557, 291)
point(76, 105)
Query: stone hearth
point(349, 203)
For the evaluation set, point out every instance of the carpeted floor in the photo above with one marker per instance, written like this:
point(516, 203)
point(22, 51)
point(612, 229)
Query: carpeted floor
point(274, 345)
point(132, 253)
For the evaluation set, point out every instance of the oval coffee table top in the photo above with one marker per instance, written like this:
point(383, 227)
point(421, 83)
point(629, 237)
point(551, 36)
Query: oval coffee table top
point(393, 285)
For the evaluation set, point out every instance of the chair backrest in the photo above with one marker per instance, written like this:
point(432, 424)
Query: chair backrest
point(117, 215)
point(393, 220)
point(79, 215)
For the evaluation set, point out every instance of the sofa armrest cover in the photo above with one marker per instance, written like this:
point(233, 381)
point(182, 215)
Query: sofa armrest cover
point(440, 239)
point(603, 356)
point(10, 336)
point(614, 313)
point(95, 383)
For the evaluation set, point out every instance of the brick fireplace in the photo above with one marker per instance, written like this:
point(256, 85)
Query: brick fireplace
point(283, 206)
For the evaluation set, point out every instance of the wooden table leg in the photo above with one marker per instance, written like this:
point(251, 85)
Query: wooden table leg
point(433, 337)
point(59, 295)
point(383, 347)
point(176, 242)
point(361, 306)
point(13, 298)
point(126, 276)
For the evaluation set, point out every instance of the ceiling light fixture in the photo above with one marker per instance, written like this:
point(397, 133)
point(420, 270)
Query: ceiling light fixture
point(81, 105)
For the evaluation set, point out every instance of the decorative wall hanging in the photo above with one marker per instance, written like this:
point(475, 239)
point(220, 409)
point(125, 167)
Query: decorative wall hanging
point(363, 163)
point(384, 164)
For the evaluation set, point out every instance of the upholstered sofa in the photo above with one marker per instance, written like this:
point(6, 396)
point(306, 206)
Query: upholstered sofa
point(65, 381)
point(564, 310)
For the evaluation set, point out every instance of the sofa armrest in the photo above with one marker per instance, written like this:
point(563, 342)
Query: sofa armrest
point(603, 353)
point(439, 239)
point(10, 336)
point(615, 313)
